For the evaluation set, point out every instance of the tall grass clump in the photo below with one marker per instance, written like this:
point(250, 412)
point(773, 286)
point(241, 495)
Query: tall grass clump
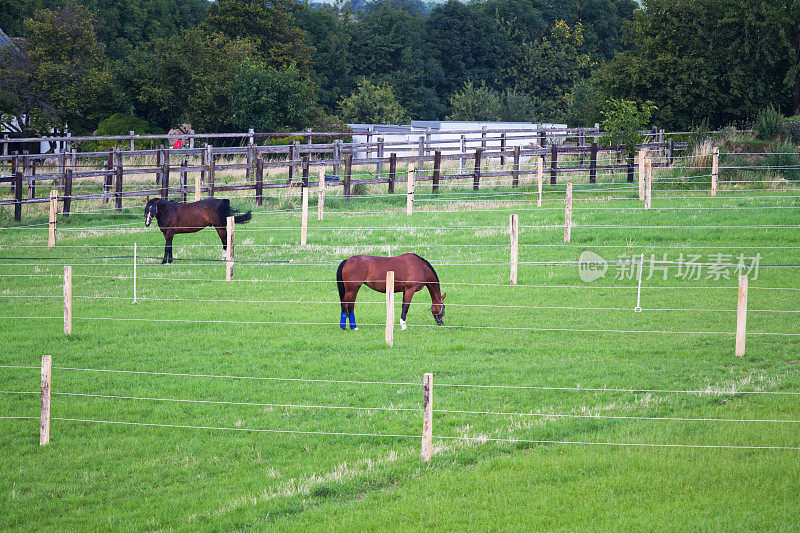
point(768, 124)
point(782, 157)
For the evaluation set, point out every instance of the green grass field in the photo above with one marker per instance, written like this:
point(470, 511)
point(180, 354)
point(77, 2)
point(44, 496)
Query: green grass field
point(297, 425)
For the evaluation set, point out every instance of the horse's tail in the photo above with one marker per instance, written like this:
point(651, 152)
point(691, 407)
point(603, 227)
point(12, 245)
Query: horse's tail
point(241, 219)
point(225, 211)
point(340, 282)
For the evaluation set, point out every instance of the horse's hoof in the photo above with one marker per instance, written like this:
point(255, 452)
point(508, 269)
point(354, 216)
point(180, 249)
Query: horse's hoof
point(355, 329)
point(403, 326)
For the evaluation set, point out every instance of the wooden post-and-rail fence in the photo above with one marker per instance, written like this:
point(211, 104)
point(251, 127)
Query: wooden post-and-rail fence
point(68, 173)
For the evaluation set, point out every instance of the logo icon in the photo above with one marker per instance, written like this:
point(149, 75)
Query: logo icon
point(591, 266)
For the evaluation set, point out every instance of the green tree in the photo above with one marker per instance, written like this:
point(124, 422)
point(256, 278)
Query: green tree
point(268, 23)
point(187, 78)
point(475, 103)
point(57, 75)
point(708, 59)
point(550, 65)
point(372, 104)
point(328, 32)
point(389, 48)
point(268, 99)
point(465, 44)
point(622, 122)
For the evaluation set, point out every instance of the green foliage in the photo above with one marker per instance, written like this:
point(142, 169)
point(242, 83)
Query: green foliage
point(268, 99)
point(372, 104)
point(123, 124)
point(622, 122)
point(792, 130)
point(187, 78)
point(783, 157)
point(59, 74)
point(475, 103)
point(714, 59)
point(699, 136)
point(582, 105)
point(516, 106)
point(268, 23)
point(768, 124)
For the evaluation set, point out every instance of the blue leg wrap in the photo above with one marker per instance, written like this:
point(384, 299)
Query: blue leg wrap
point(353, 321)
point(343, 321)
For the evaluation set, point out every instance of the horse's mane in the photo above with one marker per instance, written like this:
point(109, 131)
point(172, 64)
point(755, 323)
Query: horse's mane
point(429, 266)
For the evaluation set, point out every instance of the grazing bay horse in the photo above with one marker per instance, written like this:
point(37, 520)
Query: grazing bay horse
point(411, 274)
point(175, 217)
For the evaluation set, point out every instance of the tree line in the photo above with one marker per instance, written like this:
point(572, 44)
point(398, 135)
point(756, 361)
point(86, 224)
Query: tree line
point(282, 65)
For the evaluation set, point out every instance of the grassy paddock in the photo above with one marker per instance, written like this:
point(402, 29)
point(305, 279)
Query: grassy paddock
point(200, 337)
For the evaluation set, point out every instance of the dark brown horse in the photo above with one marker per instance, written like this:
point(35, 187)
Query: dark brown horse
point(411, 274)
point(175, 217)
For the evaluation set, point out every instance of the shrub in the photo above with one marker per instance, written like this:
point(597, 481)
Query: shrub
point(792, 130)
point(783, 160)
point(768, 124)
point(122, 124)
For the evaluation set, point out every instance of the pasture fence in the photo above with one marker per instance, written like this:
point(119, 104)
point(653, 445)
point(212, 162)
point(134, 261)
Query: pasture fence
point(426, 410)
point(68, 171)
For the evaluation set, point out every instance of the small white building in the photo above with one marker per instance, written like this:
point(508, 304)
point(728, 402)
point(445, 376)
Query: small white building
point(452, 136)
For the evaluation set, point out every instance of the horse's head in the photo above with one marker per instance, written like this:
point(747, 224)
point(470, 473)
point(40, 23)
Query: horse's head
point(437, 309)
point(150, 211)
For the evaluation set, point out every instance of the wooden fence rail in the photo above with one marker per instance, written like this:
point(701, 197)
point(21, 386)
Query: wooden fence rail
point(115, 167)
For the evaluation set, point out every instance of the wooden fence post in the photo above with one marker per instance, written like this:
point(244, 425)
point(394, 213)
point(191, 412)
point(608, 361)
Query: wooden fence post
point(348, 169)
point(337, 155)
point(593, 163)
point(321, 194)
point(553, 163)
point(714, 170)
point(476, 177)
point(259, 181)
point(741, 317)
point(184, 185)
point(165, 174)
point(421, 158)
point(47, 376)
point(32, 182)
point(379, 164)
point(427, 417)
point(539, 178)
point(250, 158)
point(229, 258)
point(211, 170)
point(515, 169)
point(568, 214)
point(410, 190)
point(67, 300)
point(642, 171)
point(135, 263)
point(392, 171)
point(463, 152)
point(390, 308)
point(437, 169)
point(514, 233)
point(198, 187)
point(131, 145)
point(304, 199)
point(670, 151)
point(159, 164)
point(648, 182)
point(118, 182)
point(108, 178)
point(67, 191)
point(203, 163)
point(18, 196)
point(503, 149)
point(51, 237)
